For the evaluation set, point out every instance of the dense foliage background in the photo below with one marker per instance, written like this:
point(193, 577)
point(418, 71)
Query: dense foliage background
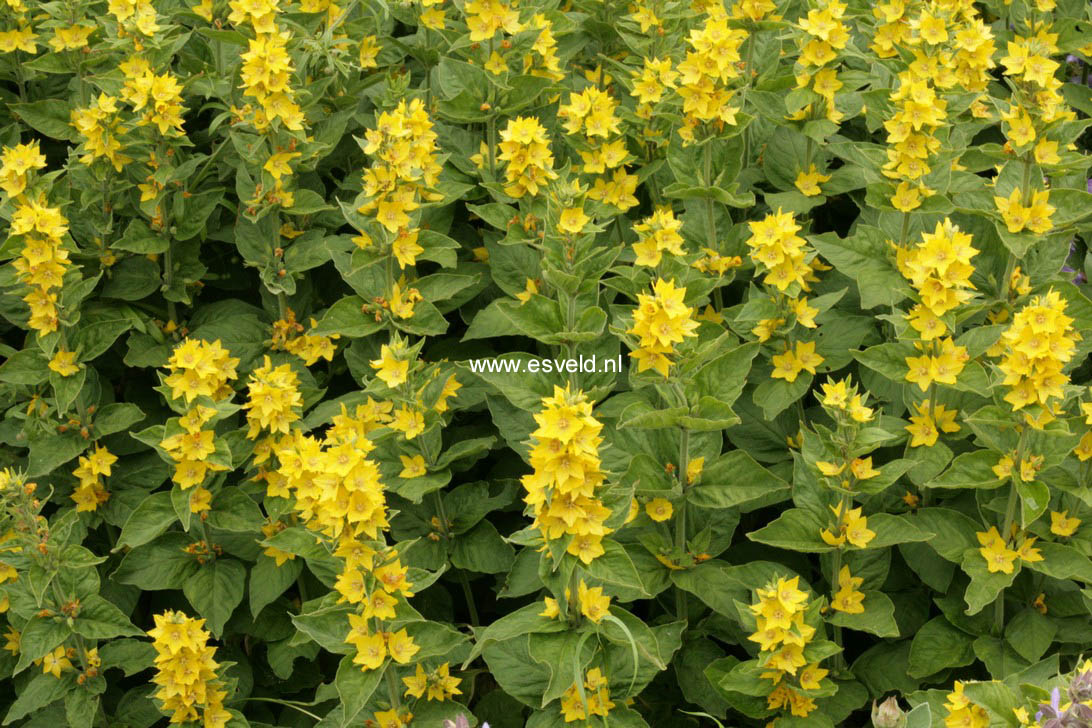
point(260, 256)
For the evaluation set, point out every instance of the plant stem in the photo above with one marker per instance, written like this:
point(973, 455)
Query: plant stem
point(468, 593)
point(710, 213)
point(680, 522)
point(168, 284)
point(393, 693)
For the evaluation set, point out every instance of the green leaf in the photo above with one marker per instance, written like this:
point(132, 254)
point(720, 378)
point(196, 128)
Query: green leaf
point(970, 470)
point(864, 256)
point(215, 590)
point(1030, 633)
point(27, 367)
point(796, 530)
point(539, 318)
point(887, 359)
point(355, 687)
point(877, 618)
point(153, 516)
point(642, 416)
point(985, 586)
point(954, 532)
point(234, 510)
point(102, 620)
point(1061, 562)
point(161, 564)
point(268, 581)
point(937, 646)
point(37, 694)
point(38, 638)
point(328, 626)
point(48, 116)
point(891, 529)
point(482, 550)
point(733, 479)
point(997, 698)
point(723, 377)
point(776, 395)
point(523, 621)
point(116, 417)
point(346, 318)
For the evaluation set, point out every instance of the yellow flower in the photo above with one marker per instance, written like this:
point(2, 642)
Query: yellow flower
point(847, 599)
point(389, 367)
point(64, 363)
point(862, 468)
point(496, 64)
point(531, 289)
point(999, 557)
point(808, 182)
point(412, 467)
point(1062, 525)
point(659, 509)
point(593, 603)
point(278, 164)
point(572, 220)
point(401, 646)
point(830, 469)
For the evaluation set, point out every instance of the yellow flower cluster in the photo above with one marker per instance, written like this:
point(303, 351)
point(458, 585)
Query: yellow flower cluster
point(371, 581)
point(274, 398)
point(649, 84)
point(200, 369)
point(842, 397)
point(911, 137)
point(98, 125)
point(186, 671)
point(190, 449)
point(1029, 65)
point(485, 17)
point(661, 321)
point(656, 235)
point(525, 150)
point(596, 694)
point(602, 149)
point(782, 634)
point(999, 557)
point(197, 369)
point(704, 75)
point(43, 261)
point(775, 245)
point(939, 268)
point(1032, 211)
point(1037, 346)
point(288, 335)
point(267, 68)
point(158, 95)
point(336, 486)
point(799, 358)
point(824, 35)
point(925, 427)
point(942, 364)
point(403, 175)
point(138, 15)
point(850, 526)
point(90, 469)
point(436, 684)
point(847, 599)
point(594, 604)
point(562, 488)
point(962, 712)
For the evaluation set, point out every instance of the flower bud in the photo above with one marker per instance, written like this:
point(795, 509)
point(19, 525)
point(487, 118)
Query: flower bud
point(888, 714)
